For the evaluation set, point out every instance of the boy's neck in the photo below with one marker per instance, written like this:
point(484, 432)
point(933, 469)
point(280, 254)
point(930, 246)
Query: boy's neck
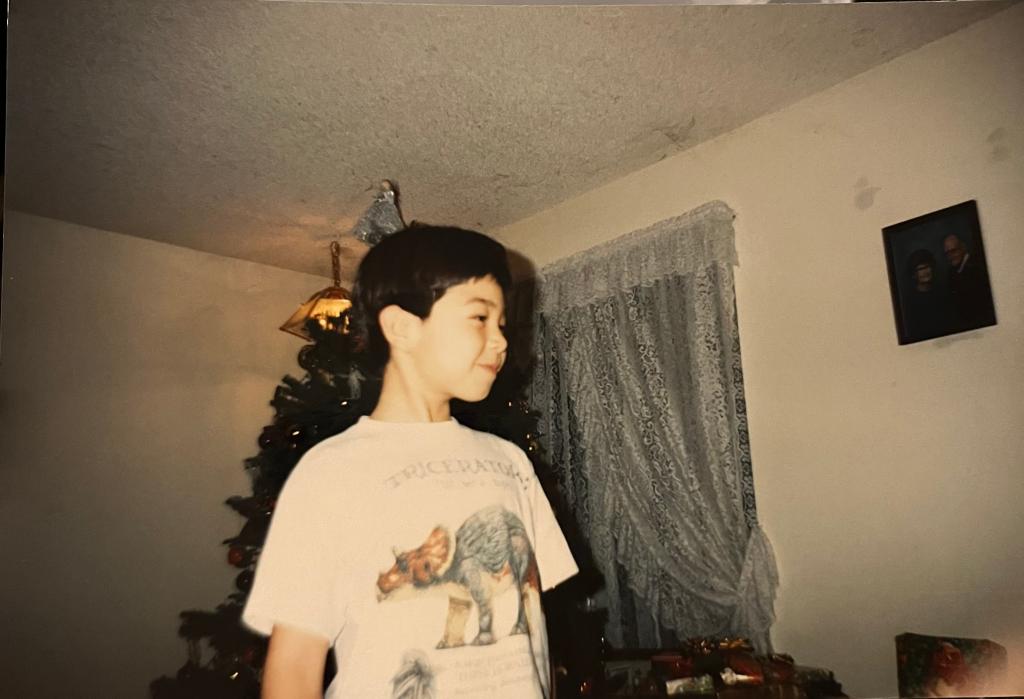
point(400, 402)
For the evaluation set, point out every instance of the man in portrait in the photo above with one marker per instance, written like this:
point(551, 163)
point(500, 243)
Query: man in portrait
point(968, 285)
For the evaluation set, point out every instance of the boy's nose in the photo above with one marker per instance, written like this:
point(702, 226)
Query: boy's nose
point(498, 340)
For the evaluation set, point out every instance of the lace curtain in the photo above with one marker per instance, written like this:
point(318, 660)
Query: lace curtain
point(640, 389)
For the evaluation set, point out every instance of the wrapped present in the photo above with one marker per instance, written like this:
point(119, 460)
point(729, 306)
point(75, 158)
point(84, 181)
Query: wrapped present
point(817, 682)
point(935, 666)
point(704, 684)
point(711, 656)
point(779, 668)
point(742, 668)
point(726, 668)
point(671, 666)
point(709, 646)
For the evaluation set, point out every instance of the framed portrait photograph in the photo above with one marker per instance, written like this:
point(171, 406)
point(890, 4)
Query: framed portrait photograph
point(938, 276)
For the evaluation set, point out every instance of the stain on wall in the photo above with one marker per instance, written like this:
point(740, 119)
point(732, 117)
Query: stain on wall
point(864, 194)
point(997, 143)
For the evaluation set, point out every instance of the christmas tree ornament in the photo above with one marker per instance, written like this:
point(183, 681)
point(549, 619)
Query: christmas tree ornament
point(382, 218)
point(307, 357)
point(296, 436)
point(270, 437)
point(244, 580)
point(236, 556)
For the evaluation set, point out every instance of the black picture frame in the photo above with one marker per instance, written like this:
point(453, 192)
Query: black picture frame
point(938, 275)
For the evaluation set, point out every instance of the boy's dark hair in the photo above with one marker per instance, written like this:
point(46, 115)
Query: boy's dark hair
point(413, 268)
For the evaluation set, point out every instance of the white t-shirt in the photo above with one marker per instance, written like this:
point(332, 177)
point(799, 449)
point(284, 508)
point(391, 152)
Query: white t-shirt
point(415, 549)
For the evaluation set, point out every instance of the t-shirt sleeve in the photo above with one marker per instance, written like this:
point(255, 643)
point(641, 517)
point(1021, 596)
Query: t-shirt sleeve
point(295, 582)
point(554, 560)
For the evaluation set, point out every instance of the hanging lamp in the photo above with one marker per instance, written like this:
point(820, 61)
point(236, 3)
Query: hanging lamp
point(381, 219)
point(325, 306)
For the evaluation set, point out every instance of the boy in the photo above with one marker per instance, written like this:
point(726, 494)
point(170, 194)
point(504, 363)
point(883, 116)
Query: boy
point(414, 546)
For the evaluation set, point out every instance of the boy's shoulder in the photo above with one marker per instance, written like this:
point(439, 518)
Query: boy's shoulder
point(352, 439)
point(488, 439)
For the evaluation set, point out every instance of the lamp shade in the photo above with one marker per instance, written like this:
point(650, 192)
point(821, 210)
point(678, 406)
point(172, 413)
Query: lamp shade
point(325, 306)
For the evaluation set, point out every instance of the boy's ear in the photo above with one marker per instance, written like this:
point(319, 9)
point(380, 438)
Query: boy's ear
point(399, 326)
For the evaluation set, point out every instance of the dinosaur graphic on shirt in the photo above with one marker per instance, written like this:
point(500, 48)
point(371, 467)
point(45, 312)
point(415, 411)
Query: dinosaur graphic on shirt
point(489, 554)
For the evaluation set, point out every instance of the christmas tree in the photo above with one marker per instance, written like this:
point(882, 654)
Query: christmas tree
point(225, 659)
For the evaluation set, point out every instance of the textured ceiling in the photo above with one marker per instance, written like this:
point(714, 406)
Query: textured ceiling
point(257, 130)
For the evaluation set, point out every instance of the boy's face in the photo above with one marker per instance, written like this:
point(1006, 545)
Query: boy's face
point(461, 345)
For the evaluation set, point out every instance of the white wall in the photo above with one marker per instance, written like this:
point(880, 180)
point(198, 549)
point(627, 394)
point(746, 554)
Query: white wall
point(134, 379)
point(889, 478)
